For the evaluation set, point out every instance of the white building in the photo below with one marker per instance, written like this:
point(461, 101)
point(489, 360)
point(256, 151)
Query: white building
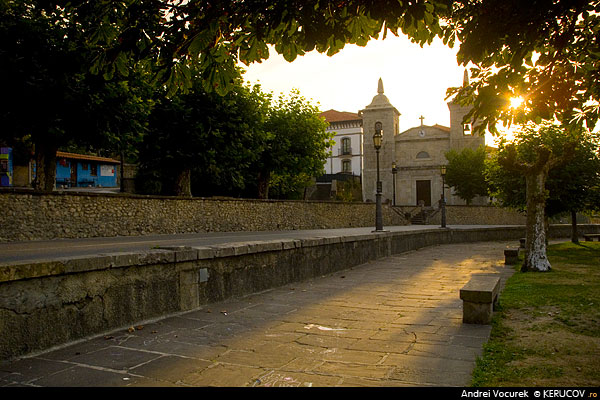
point(346, 153)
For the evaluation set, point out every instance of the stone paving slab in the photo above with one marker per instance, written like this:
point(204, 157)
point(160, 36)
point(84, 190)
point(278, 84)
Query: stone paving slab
point(396, 321)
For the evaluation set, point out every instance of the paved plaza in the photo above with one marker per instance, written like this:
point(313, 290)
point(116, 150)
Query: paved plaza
point(396, 321)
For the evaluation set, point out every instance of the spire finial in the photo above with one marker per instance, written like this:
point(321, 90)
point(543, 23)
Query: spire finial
point(380, 86)
point(466, 78)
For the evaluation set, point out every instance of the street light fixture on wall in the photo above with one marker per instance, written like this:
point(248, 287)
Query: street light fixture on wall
point(394, 172)
point(443, 199)
point(377, 138)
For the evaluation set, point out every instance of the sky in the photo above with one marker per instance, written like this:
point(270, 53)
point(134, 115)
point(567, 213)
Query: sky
point(415, 79)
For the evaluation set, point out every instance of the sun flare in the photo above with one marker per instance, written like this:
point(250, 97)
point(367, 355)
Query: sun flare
point(516, 102)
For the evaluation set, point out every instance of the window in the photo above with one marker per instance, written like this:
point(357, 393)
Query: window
point(466, 129)
point(346, 166)
point(423, 154)
point(84, 166)
point(94, 169)
point(346, 148)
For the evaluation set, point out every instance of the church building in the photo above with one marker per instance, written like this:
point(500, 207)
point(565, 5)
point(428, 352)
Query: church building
point(417, 154)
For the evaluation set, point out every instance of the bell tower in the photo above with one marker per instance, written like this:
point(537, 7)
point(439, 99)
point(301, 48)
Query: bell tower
point(461, 132)
point(380, 111)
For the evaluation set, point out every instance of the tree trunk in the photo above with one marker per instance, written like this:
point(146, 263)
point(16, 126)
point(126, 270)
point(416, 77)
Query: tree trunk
point(183, 183)
point(535, 256)
point(45, 167)
point(574, 233)
point(263, 184)
point(122, 172)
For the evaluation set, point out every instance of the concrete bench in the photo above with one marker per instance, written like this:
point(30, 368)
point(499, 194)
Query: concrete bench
point(479, 297)
point(511, 256)
point(589, 237)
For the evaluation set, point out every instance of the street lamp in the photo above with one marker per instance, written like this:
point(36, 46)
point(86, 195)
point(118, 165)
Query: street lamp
point(394, 172)
point(377, 138)
point(443, 200)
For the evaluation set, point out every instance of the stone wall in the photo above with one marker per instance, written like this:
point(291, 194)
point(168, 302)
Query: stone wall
point(486, 215)
point(47, 303)
point(28, 215)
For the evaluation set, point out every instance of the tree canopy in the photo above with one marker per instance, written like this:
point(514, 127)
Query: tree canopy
point(545, 52)
point(52, 51)
point(54, 97)
point(575, 186)
point(545, 162)
point(466, 172)
point(239, 144)
point(211, 37)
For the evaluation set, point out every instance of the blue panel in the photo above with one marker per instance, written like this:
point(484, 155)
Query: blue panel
point(107, 175)
point(6, 167)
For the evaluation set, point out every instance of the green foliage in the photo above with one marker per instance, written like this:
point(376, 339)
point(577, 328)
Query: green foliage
point(546, 52)
point(231, 142)
point(289, 186)
point(508, 187)
point(45, 61)
point(571, 186)
point(465, 172)
point(217, 137)
point(297, 141)
point(349, 190)
point(210, 38)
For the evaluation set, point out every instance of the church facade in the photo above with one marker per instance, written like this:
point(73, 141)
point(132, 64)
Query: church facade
point(418, 154)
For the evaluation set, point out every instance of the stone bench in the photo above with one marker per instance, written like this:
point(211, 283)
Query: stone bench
point(479, 297)
point(511, 256)
point(590, 237)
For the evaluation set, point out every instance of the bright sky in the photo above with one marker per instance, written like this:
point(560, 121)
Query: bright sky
point(415, 79)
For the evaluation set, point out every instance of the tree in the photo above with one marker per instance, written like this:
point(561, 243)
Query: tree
point(49, 46)
point(545, 52)
point(466, 172)
point(54, 97)
point(119, 115)
point(296, 144)
point(40, 73)
point(533, 155)
point(211, 37)
point(238, 144)
point(203, 143)
point(573, 188)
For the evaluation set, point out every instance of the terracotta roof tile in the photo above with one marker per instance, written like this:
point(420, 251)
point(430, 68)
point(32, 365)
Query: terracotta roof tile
point(337, 116)
point(62, 154)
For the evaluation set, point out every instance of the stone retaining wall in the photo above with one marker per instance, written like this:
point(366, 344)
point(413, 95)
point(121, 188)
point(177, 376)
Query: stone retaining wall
point(35, 216)
point(48, 303)
point(492, 215)
point(27, 215)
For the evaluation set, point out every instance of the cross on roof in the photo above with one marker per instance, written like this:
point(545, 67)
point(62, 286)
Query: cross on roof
point(421, 118)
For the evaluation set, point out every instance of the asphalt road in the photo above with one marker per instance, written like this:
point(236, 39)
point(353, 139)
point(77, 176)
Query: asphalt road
point(26, 251)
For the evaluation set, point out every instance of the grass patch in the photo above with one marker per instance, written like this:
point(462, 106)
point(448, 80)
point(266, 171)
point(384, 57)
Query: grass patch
point(547, 328)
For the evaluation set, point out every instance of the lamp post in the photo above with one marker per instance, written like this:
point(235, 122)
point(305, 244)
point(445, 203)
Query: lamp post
point(394, 172)
point(377, 137)
point(443, 200)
